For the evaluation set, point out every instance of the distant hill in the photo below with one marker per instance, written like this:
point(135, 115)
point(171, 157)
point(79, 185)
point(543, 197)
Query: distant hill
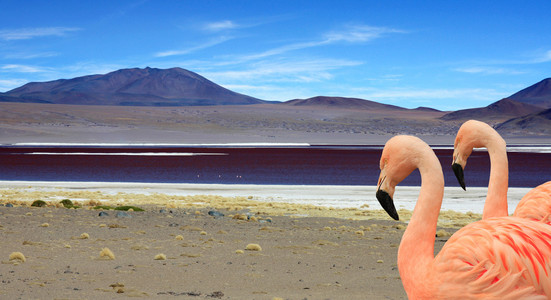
point(130, 87)
point(539, 123)
point(538, 94)
point(341, 102)
point(496, 112)
point(423, 108)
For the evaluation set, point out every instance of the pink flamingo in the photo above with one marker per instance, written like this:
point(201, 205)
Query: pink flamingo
point(536, 204)
point(497, 258)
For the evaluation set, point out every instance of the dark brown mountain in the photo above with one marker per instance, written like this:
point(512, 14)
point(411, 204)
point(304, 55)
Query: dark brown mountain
point(496, 112)
point(538, 123)
point(135, 87)
point(341, 102)
point(538, 94)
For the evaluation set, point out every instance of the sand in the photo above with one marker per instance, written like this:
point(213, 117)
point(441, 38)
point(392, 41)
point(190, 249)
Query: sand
point(176, 249)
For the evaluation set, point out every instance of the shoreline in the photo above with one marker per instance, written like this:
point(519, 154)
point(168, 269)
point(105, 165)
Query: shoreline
point(330, 198)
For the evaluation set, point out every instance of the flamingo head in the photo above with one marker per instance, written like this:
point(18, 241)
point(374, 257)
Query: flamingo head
point(470, 135)
point(398, 160)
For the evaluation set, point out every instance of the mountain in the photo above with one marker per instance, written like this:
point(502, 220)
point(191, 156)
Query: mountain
point(496, 112)
point(130, 87)
point(538, 94)
point(341, 102)
point(539, 123)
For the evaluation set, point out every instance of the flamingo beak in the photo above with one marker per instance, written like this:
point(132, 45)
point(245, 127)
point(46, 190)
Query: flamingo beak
point(387, 203)
point(458, 171)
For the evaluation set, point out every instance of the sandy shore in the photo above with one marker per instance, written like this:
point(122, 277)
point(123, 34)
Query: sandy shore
point(298, 248)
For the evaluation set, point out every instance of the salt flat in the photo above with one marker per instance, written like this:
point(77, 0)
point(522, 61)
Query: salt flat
point(337, 196)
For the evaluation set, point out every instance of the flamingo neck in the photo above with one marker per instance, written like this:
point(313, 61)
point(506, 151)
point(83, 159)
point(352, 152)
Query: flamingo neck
point(496, 199)
point(416, 251)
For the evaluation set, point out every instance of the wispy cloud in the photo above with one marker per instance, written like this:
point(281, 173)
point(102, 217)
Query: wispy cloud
point(6, 85)
point(305, 70)
point(398, 94)
point(543, 58)
point(499, 67)
point(271, 92)
point(29, 33)
point(488, 70)
point(221, 25)
point(28, 55)
point(350, 34)
point(359, 34)
point(208, 44)
point(21, 69)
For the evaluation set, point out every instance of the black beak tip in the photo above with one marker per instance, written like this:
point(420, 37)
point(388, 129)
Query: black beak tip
point(458, 171)
point(388, 204)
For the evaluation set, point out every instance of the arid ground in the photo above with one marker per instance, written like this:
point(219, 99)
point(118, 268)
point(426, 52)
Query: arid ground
point(181, 247)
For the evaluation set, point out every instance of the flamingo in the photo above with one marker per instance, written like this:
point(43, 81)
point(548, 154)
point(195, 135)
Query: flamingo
point(496, 258)
point(535, 205)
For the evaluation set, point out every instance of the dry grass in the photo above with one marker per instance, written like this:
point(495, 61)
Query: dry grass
point(160, 256)
point(253, 247)
point(17, 257)
point(105, 253)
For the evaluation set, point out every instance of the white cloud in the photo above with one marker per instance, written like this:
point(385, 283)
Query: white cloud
point(208, 44)
point(6, 85)
point(272, 92)
point(29, 55)
point(491, 67)
point(280, 50)
point(311, 70)
point(352, 34)
point(404, 93)
point(221, 25)
point(545, 57)
point(22, 69)
point(359, 34)
point(29, 33)
point(488, 70)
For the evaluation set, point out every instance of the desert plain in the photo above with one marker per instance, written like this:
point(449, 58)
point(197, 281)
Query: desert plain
point(201, 242)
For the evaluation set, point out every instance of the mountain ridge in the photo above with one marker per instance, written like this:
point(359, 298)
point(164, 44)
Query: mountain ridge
point(498, 111)
point(180, 87)
point(131, 87)
point(538, 94)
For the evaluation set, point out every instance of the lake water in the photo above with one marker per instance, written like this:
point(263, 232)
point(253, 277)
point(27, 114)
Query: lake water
point(529, 166)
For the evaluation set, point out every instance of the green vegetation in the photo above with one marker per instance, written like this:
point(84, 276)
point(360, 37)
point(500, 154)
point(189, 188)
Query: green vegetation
point(68, 204)
point(38, 203)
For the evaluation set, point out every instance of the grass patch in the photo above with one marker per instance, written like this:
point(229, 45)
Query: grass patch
point(68, 204)
point(38, 203)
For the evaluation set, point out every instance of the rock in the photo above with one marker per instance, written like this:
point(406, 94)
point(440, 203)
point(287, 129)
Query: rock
point(123, 214)
point(103, 214)
point(215, 213)
point(9, 205)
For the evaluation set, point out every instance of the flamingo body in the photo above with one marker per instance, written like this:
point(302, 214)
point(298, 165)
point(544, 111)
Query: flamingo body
point(536, 204)
point(495, 258)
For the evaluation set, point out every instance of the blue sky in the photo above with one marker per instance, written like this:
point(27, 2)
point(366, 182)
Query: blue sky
point(443, 54)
